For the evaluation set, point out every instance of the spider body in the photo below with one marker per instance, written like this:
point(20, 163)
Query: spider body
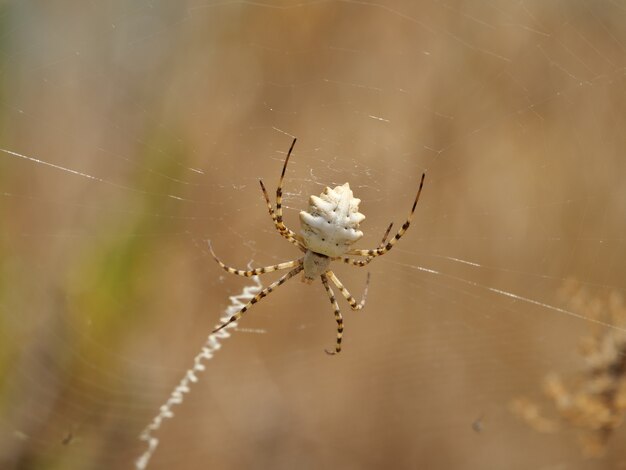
point(314, 265)
point(330, 227)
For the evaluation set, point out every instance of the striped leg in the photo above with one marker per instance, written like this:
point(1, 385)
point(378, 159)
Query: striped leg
point(364, 262)
point(384, 249)
point(258, 297)
point(358, 262)
point(254, 272)
point(354, 305)
point(338, 317)
point(284, 231)
point(279, 193)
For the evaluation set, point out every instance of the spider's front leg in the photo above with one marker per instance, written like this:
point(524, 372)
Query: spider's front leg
point(354, 305)
point(338, 317)
point(265, 292)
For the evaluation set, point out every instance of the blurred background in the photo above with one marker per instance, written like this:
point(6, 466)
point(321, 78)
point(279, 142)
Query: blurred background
point(134, 131)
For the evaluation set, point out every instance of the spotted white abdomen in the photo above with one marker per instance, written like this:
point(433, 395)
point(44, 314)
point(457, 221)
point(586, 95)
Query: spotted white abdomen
point(331, 225)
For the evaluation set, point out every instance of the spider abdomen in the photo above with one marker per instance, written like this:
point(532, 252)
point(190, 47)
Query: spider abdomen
point(331, 224)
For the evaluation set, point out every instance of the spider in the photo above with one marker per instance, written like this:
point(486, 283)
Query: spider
point(329, 228)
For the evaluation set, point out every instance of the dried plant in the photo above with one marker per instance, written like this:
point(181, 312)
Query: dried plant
point(594, 403)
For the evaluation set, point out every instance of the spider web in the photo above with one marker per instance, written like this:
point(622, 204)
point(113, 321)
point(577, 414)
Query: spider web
point(132, 132)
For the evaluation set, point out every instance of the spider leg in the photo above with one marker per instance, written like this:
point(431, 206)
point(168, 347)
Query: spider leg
point(284, 231)
point(354, 305)
point(258, 297)
point(386, 234)
point(384, 249)
point(364, 262)
point(357, 262)
point(279, 192)
point(257, 271)
point(338, 317)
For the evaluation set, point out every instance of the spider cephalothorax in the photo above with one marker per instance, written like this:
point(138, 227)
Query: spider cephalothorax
point(329, 228)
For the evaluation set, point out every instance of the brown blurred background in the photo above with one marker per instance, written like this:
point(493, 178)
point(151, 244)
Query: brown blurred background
point(152, 121)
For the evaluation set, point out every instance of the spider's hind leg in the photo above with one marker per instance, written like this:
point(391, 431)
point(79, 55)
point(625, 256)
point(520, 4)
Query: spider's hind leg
point(279, 189)
point(284, 231)
point(381, 250)
point(364, 262)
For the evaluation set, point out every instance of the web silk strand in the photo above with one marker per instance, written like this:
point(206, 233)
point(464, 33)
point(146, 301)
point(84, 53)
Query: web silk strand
point(209, 348)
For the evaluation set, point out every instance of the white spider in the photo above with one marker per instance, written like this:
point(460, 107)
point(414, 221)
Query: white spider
point(329, 228)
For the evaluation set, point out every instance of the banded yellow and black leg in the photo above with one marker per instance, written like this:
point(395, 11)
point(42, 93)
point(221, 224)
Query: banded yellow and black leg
point(354, 305)
point(357, 262)
point(283, 230)
point(364, 262)
point(338, 317)
point(257, 271)
point(264, 293)
point(384, 249)
point(279, 191)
